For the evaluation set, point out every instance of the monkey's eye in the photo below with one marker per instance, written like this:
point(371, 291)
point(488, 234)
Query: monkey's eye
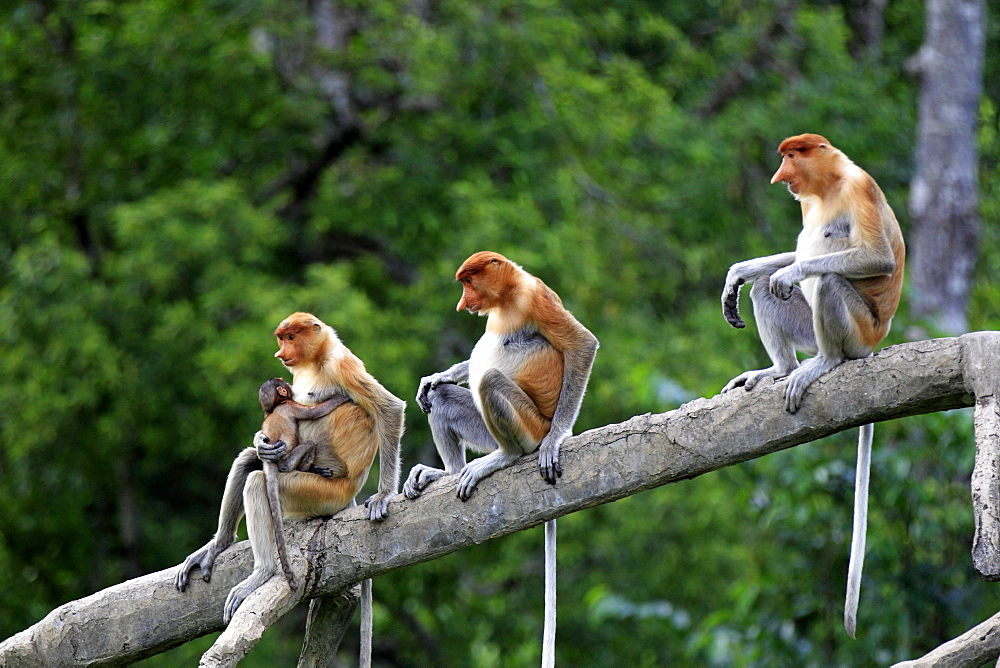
point(291, 337)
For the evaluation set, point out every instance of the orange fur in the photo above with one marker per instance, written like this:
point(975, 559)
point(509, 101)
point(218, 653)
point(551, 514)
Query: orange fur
point(542, 382)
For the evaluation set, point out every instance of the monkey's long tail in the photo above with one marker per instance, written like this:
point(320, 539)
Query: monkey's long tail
point(549, 628)
point(365, 655)
point(860, 527)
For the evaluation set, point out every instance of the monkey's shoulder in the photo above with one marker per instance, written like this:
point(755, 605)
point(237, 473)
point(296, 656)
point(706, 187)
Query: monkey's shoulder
point(838, 227)
point(527, 337)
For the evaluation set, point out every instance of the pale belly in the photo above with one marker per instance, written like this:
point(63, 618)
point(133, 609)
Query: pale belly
point(817, 240)
point(808, 286)
point(485, 356)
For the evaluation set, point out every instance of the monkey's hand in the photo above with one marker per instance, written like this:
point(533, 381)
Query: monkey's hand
point(428, 383)
point(378, 506)
point(548, 456)
point(269, 452)
point(730, 299)
point(782, 281)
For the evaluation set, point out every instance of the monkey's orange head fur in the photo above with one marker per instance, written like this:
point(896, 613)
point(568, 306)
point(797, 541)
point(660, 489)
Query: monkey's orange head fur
point(488, 279)
point(807, 162)
point(300, 339)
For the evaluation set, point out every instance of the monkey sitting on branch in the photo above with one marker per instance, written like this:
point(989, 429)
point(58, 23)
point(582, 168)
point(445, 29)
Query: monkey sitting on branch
point(371, 422)
point(526, 376)
point(280, 429)
point(849, 265)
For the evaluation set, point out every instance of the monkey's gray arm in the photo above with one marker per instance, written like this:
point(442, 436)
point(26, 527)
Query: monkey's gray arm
point(748, 271)
point(577, 363)
point(854, 263)
point(459, 373)
point(390, 429)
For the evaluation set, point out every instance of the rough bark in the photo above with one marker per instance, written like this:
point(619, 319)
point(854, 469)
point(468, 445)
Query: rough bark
point(975, 647)
point(328, 619)
point(981, 364)
point(147, 615)
point(944, 194)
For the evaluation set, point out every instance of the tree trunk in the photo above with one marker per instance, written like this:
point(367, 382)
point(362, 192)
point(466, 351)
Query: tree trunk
point(944, 194)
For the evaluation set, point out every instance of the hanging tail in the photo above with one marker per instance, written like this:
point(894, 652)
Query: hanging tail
point(860, 527)
point(549, 628)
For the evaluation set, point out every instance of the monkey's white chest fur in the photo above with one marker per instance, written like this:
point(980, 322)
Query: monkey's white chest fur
point(507, 353)
point(486, 355)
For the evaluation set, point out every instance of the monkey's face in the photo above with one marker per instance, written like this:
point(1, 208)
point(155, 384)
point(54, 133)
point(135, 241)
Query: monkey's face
point(472, 297)
point(296, 339)
point(485, 279)
point(287, 350)
point(803, 157)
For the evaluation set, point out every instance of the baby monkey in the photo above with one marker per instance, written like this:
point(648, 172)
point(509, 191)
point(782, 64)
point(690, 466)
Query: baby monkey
point(280, 428)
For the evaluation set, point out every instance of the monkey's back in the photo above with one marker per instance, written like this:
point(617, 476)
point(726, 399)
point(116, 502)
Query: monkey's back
point(279, 425)
point(881, 293)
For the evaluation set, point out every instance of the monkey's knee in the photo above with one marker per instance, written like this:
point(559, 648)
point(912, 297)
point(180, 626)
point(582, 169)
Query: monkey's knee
point(447, 401)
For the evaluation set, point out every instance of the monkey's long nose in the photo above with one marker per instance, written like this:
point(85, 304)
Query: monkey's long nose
point(781, 175)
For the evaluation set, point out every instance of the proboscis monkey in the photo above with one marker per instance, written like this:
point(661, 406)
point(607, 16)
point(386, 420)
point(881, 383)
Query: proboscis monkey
point(371, 422)
point(849, 265)
point(526, 377)
point(281, 416)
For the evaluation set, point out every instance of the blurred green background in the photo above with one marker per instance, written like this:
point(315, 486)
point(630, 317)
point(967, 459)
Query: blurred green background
point(177, 176)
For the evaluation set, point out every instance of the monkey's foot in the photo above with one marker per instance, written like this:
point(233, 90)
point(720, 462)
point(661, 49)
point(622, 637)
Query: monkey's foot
point(803, 377)
point(238, 593)
point(378, 506)
point(420, 477)
point(548, 463)
point(203, 559)
point(481, 468)
point(749, 379)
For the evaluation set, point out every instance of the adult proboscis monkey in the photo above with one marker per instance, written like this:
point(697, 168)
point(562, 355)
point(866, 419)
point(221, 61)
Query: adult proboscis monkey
point(526, 377)
point(372, 421)
point(849, 265)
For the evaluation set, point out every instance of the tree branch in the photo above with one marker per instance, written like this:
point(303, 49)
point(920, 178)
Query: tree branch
point(973, 648)
point(147, 615)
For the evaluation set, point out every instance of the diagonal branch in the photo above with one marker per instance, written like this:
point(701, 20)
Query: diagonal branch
point(975, 647)
point(147, 615)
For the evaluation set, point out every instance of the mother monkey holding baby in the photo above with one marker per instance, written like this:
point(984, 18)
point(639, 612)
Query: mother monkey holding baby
point(371, 421)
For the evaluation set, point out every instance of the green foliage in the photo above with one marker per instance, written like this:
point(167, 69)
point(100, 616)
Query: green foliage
point(173, 186)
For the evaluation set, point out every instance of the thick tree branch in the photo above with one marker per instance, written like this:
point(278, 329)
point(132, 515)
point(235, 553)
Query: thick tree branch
point(975, 647)
point(147, 615)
